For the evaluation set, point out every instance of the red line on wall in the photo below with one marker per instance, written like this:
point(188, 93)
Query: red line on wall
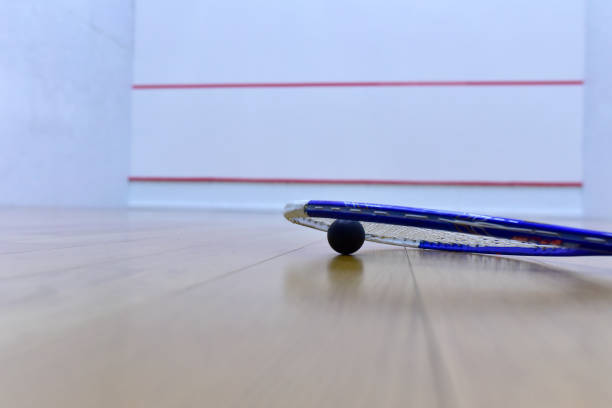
point(572, 82)
point(357, 181)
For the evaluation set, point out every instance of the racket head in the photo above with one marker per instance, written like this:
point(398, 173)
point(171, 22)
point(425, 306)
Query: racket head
point(452, 231)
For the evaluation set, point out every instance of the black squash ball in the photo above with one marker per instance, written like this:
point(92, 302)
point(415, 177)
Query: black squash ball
point(345, 236)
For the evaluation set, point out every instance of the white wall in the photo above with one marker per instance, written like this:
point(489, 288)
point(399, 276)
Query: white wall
point(496, 200)
point(598, 111)
point(440, 133)
point(188, 41)
point(457, 133)
point(65, 76)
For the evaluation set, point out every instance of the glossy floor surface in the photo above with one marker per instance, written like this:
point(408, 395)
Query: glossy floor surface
point(212, 309)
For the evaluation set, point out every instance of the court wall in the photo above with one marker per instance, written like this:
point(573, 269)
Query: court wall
point(440, 103)
point(65, 77)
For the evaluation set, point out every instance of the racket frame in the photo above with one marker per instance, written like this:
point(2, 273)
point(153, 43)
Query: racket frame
point(556, 240)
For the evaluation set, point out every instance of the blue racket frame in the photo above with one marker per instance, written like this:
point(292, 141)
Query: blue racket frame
point(567, 241)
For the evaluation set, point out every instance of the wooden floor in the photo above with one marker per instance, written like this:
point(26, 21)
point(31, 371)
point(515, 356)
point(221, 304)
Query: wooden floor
point(210, 309)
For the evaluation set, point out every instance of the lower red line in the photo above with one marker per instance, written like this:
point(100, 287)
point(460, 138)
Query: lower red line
point(573, 82)
point(357, 181)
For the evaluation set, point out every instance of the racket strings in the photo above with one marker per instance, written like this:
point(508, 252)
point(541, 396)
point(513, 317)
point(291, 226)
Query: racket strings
point(412, 236)
point(440, 236)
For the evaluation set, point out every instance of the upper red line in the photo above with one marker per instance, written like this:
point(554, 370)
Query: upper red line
point(356, 181)
point(357, 84)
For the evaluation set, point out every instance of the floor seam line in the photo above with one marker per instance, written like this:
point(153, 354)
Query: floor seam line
point(238, 270)
point(435, 355)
